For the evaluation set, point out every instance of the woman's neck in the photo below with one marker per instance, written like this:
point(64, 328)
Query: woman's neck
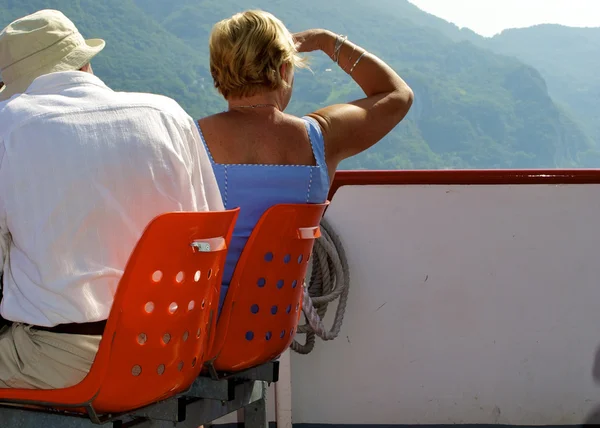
point(257, 102)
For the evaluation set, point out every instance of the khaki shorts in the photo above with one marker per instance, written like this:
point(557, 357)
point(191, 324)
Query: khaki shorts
point(38, 359)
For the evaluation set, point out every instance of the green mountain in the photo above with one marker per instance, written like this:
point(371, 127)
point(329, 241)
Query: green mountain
point(566, 57)
point(568, 60)
point(473, 108)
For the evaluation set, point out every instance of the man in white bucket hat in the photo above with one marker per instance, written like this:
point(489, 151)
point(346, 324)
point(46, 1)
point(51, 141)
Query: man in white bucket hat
point(83, 169)
point(41, 43)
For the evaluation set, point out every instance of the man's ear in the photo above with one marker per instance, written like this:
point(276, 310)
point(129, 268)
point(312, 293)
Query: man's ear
point(87, 68)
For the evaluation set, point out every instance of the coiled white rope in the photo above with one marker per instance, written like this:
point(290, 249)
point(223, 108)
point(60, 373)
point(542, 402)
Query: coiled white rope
point(330, 280)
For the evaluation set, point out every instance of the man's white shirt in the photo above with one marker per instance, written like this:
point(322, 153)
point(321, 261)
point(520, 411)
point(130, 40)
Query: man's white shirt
point(83, 169)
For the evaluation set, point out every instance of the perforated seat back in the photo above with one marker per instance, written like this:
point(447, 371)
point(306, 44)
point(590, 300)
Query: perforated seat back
point(165, 308)
point(262, 308)
point(160, 325)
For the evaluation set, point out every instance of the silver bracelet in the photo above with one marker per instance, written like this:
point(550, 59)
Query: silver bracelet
point(357, 61)
point(338, 47)
point(350, 56)
point(338, 38)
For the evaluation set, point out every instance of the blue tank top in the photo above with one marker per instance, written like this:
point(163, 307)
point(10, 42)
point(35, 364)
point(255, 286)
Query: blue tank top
point(254, 188)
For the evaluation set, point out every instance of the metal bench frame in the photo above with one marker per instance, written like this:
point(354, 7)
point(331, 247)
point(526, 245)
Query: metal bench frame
point(208, 399)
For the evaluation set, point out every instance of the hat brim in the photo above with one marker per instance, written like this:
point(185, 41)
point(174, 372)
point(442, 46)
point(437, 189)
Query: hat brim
point(73, 61)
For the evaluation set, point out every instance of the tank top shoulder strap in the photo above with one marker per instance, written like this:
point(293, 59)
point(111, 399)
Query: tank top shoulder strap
point(212, 161)
point(317, 141)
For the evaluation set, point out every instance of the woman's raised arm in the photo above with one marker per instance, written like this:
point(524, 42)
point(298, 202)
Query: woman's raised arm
point(351, 128)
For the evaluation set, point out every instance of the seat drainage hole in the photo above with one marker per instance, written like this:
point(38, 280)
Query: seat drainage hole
point(160, 369)
point(166, 338)
point(288, 309)
point(254, 308)
point(274, 310)
point(282, 334)
point(249, 335)
point(280, 284)
point(268, 335)
point(149, 307)
point(287, 258)
point(136, 370)
point(157, 276)
point(180, 366)
point(269, 257)
point(142, 338)
point(261, 282)
point(294, 284)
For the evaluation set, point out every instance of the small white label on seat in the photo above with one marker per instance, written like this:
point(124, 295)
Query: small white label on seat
point(309, 232)
point(209, 245)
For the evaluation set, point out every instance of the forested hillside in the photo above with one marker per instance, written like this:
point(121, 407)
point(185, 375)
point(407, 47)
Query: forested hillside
point(568, 59)
point(474, 108)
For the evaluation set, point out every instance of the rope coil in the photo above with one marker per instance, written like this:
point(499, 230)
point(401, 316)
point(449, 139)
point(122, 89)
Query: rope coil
point(330, 280)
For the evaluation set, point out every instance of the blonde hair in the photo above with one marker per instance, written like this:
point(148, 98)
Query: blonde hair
point(247, 52)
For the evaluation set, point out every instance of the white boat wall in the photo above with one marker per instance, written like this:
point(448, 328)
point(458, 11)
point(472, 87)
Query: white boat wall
point(474, 299)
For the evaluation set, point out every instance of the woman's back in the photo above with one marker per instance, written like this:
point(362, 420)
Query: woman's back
point(260, 162)
point(260, 135)
point(262, 156)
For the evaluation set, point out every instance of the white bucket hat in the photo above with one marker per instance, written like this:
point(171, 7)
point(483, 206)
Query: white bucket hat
point(44, 42)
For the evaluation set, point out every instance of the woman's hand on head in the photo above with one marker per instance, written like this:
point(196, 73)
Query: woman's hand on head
point(312, 40)
point(352, 127)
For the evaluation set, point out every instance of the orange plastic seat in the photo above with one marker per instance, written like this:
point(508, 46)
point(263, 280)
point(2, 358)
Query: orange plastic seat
point(158, 331)
point(263, 305)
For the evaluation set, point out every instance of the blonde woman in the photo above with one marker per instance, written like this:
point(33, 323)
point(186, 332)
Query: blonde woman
point(263, 156)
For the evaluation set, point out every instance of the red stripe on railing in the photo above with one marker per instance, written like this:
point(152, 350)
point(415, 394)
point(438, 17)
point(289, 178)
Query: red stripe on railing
point(465, 177)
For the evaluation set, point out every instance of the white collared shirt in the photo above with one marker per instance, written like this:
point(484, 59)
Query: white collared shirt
point(83, 170)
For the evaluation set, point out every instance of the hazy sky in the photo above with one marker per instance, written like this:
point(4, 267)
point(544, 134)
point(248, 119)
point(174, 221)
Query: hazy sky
point(489, 17)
